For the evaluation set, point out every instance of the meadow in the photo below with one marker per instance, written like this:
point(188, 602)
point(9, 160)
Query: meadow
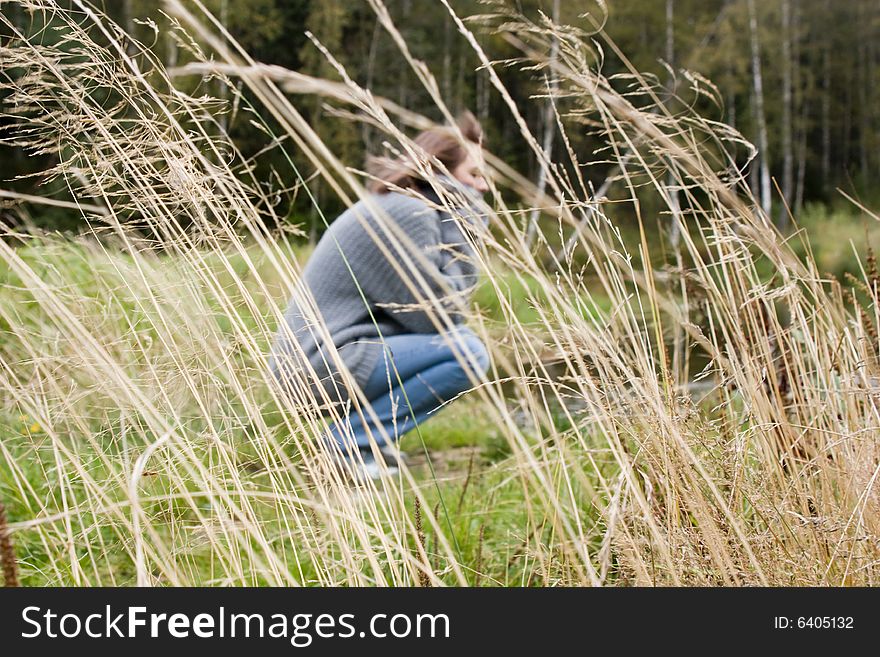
point(461, 459)
point(688, 397)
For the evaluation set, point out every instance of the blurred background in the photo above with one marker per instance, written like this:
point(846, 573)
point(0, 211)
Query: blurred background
point(797, 78)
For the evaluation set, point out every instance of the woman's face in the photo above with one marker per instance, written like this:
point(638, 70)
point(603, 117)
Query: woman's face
point(470, 171)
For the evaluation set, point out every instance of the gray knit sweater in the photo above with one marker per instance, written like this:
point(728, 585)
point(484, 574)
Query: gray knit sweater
point(359, 293)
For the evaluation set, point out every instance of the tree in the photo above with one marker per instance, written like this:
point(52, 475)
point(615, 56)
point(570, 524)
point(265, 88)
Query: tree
point(758, 82)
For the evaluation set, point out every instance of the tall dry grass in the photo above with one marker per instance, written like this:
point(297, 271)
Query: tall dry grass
point(146, 380)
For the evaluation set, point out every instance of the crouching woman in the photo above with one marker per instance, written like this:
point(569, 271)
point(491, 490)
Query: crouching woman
point(377, 278)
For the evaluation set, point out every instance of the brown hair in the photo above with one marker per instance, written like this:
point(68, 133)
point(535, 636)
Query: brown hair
point(441, 142)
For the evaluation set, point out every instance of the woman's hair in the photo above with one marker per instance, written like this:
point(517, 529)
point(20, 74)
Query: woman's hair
point(441, 142)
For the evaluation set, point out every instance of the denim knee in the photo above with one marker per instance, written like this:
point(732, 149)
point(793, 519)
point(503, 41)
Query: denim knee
point(480, 355)
point(475, 359)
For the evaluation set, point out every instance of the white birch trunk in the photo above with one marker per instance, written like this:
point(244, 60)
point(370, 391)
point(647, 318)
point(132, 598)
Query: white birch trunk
point(671, 187)
point(826, 115)
point(759, 110)
point(549, 122)
point(787, 145)
point(222, 120)
point(799, 107)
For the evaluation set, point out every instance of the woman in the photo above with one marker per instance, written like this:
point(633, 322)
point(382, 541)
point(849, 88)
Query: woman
point(380, 277)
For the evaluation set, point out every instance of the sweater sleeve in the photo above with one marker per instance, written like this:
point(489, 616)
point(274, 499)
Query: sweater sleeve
point(417, 229)
point(458, 261)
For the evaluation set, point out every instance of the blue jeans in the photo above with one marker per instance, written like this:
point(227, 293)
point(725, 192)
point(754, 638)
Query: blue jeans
point(431, 374)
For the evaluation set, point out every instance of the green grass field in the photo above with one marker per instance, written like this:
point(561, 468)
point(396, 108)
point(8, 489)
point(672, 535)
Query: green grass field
point(461, 459)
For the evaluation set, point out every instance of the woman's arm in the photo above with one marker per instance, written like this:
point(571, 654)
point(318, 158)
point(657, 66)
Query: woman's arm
point(403, 272)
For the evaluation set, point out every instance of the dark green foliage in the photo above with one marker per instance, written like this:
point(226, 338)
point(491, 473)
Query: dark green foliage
point(835, 122)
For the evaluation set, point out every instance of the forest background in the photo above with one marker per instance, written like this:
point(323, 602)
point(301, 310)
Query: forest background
point(797, 78)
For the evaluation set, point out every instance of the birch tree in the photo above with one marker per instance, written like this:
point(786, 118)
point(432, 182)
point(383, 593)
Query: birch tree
point(760, 116)
point(787, 147)
point(549, 125)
